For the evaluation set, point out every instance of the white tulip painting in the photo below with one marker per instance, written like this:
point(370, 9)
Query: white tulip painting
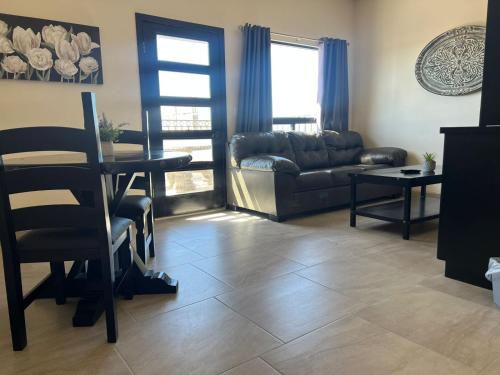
point(34, 49)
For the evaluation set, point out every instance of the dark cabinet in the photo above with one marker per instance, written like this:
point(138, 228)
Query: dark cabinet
point(469, 228)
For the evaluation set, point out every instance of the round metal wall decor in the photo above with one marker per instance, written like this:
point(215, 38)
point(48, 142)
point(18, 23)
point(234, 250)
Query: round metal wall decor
point(452, 64)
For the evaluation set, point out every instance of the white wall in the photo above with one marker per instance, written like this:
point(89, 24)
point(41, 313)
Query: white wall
point(31, 103)
point(390, 108)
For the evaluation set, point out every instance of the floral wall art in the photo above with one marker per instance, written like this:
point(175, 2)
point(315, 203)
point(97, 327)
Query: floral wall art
point(41, 50)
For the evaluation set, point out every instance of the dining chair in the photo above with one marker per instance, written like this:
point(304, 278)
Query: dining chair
point(139, 208)
point(57, 232)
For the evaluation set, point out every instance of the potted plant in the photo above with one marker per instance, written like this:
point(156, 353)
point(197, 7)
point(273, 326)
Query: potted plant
point(429, 162)
point(109, 134)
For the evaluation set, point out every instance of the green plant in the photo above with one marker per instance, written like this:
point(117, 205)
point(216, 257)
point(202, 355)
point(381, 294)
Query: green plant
point(429, 156)
point(108, 132)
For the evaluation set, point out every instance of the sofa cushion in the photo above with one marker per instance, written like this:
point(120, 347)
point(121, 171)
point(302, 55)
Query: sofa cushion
point(253, 144)
point(310, 150)
point(340, 175)
point(343, 148)
point(314, 180)
point(269, 163)
point(393, 156)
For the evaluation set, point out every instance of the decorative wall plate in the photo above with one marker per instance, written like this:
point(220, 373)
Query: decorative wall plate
point(452, 64)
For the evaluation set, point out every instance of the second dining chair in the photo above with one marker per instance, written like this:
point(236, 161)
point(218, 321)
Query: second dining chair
point(58, 232)
point(139, 208)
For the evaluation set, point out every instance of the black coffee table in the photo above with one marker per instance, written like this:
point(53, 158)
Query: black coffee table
point(406, 211)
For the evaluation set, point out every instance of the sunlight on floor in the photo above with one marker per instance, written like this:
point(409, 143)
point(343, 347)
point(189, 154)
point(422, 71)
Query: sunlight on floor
point(233, 217)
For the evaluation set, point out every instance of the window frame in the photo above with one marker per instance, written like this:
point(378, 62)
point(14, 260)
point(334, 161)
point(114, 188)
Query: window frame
point(147, 29)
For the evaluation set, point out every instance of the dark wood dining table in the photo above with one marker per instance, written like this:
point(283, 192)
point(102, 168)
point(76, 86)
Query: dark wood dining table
point(83, 278)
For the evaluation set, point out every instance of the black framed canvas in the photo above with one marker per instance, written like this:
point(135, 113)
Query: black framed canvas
point(36, 49)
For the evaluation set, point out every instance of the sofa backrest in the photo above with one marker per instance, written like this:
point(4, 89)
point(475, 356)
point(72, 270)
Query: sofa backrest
point(245, 145)
point(343, 148)
point(310, 150)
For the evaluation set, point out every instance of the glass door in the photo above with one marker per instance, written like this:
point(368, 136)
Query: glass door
point(183, 96)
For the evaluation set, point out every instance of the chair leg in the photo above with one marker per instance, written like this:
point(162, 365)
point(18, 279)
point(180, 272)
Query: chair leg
point(108, 297)
point(13, 285)
point(140, 239)
point(151, 232)
point(59, 275)
point(125, 260)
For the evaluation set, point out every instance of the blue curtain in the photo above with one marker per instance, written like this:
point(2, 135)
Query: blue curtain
point(333, 95)
point(255, 99)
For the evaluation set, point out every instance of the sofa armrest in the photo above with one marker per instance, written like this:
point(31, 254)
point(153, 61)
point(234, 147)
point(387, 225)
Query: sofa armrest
point(270, 163)
point(384, 155)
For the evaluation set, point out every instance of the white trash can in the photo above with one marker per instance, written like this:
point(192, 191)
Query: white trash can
point(493, 274)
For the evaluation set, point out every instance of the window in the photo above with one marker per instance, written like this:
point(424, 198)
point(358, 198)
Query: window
point(294, 71)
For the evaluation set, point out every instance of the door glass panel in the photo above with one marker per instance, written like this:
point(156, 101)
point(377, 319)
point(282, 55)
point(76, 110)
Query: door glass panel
point(176, 118)
point(186, 85)
point(181, 50)
point(185, 182)
point(199, 149)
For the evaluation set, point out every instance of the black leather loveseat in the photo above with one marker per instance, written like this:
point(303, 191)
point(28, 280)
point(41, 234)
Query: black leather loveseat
point(285, 173)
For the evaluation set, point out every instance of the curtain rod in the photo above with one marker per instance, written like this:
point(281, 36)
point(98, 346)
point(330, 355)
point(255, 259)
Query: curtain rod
point(294, 36)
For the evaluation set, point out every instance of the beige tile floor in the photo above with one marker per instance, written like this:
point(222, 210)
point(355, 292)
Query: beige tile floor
point(308, 296)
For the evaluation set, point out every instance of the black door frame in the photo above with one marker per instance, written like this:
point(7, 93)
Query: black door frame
point(151, 101)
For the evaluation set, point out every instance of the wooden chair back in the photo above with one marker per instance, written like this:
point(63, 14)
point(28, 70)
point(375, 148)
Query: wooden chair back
point(135, 137)
point(86, 177)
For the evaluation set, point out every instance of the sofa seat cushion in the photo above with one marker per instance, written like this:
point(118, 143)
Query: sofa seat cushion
point(310, 150)
point(246, 145)
point(314, 180)
point(343, 148)
point(340, 175)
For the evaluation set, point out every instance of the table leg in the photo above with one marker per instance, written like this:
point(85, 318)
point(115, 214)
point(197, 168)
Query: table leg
point(137, 280)
point(407, 214)
point(91, 305)
point(147, 281)
point(423, 191)
point(353, 201)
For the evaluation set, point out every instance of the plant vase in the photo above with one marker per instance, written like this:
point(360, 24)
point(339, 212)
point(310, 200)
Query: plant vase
point(429, 166)
point(107, 148)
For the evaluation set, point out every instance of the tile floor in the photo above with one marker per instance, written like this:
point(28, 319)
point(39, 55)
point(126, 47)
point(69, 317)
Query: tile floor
point(308, 296)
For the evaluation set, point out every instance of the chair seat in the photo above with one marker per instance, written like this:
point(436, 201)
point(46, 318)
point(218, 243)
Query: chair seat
point(68, 239)
point(133, 206)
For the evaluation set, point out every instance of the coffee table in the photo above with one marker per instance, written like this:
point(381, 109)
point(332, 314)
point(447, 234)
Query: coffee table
point(406, 211)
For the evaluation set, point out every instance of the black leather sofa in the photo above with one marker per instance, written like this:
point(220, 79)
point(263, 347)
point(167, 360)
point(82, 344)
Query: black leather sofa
point(286, 173)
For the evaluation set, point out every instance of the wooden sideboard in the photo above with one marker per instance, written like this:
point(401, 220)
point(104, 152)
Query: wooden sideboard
point(469, 228)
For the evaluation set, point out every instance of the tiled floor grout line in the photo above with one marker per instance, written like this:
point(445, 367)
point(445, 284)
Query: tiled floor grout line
point(263, 360)
point(174, 309)
point(250, 320)
point(422, 346)
point(250, 360)
point(119, 354)
point(296, 338)
point(209, 274)
point(313, 331)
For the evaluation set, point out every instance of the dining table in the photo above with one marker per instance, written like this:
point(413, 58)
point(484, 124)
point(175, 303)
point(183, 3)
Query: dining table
point(120, 171)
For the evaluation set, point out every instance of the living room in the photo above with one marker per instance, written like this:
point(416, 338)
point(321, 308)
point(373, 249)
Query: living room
point(267, 189)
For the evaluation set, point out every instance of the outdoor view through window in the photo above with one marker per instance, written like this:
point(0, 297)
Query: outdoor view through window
point(186, 119)
point(295, 87)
